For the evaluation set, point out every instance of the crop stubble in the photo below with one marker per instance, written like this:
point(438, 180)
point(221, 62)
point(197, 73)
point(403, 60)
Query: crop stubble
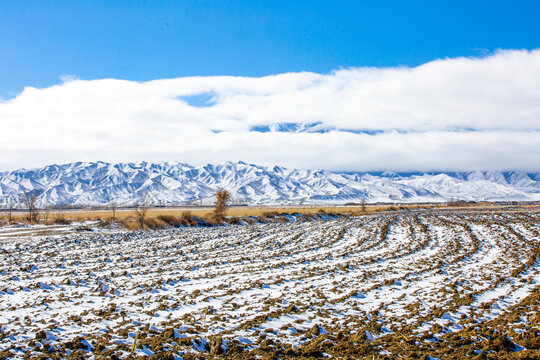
point(445, 283)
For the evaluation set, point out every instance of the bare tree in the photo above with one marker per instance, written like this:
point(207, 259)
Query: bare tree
point(3, 213)
point(9, 210)
point(222, 199)
point(141, 210)
point(113, 205)
point(363, 204)
point(30, 200)
point(46, 213)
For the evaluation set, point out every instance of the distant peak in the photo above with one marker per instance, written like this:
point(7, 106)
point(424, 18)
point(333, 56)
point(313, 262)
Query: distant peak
point(175, 183)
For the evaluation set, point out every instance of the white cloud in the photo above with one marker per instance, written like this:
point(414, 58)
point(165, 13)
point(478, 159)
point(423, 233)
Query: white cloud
point(451, 114)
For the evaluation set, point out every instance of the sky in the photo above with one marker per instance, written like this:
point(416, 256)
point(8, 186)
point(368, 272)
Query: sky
point(347, 86)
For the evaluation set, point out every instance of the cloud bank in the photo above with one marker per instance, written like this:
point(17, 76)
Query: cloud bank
point(449, 114)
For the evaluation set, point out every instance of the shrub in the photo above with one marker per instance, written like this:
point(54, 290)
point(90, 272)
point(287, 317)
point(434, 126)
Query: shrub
point(187, 216)
point(60, 219)
point(174, 221)
point(106, 222)
point(130, 223)
point(155, 223)
point(234, 220)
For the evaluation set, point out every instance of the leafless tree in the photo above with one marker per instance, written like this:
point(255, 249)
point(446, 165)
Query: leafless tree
point(363, 204)
point(113, 205)
point(46, 213)
point(30, 201)
point(141, 210)
point(222, 199)
point(9, 210)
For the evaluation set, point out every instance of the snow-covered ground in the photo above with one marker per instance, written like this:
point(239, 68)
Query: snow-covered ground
point(236, 289)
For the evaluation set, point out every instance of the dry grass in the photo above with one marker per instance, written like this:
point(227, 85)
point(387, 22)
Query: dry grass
point(202, 212)
point(205, 212)
point(176, 216)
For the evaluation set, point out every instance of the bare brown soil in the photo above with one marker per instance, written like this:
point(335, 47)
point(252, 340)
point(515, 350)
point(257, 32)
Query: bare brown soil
point(443, 283)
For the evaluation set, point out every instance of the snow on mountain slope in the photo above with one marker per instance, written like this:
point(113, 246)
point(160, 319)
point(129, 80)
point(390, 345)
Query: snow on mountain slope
point(174, 183)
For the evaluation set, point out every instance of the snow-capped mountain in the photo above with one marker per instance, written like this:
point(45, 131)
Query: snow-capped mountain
point(173, 183)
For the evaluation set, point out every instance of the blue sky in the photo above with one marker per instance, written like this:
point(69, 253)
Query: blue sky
point(41, 41)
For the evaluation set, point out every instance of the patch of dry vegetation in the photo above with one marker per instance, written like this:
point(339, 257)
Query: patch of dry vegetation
point(156, 218)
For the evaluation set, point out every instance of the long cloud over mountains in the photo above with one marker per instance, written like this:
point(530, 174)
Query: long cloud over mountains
point(450, 114)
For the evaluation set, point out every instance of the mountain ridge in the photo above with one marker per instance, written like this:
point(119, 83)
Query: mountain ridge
point(175, 183)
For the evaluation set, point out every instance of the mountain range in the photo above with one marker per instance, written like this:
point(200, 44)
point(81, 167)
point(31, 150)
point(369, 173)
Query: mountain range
point(83, 184)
